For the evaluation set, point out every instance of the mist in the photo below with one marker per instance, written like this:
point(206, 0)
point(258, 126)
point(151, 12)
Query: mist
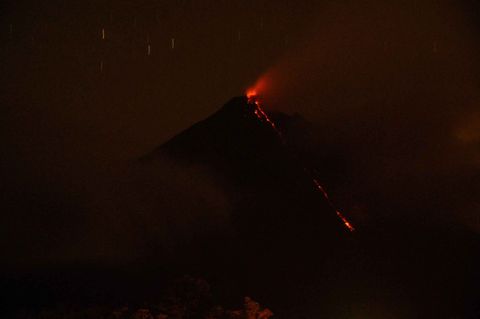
point(137, 212)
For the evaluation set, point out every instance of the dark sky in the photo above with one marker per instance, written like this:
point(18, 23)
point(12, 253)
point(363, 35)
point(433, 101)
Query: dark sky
point(391, 89)
point(77, 108)
point(58, 99)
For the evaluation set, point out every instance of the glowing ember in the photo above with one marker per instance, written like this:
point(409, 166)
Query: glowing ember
point(253, 99)
point(345, 221)
point(259, 112)
point(320, 187)
point(325, 194)
point(264, 117)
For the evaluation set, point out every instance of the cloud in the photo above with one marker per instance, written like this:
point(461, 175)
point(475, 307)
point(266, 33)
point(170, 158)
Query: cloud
point(168, 204)
point(137, 211)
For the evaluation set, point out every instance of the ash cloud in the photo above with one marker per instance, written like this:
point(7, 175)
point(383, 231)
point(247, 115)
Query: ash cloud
point(391, 91)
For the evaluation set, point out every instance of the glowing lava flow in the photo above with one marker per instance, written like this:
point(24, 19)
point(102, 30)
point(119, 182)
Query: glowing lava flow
point(252, 98)
point(260, 113)
point(339, 214)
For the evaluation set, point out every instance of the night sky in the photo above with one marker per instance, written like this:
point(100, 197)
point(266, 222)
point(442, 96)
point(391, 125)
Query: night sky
point(389, 94)
point(55, 89)
point(77, 106)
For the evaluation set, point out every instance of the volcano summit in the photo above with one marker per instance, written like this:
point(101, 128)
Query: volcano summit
point(271, 191)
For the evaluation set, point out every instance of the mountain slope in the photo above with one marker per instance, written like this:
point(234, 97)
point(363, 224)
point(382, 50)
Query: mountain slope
point(274, 199)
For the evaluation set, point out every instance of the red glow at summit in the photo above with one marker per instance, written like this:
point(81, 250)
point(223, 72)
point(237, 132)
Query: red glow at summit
point(254, 97)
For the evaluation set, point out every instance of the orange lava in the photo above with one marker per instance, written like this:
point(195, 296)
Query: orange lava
point(345, 221)
point(253, 98)
point(251, 95)
point(340, 215)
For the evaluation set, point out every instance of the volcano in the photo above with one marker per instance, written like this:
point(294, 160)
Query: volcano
point(285, 230)
point(279, 217)
point(278, 239)
point(274, 197)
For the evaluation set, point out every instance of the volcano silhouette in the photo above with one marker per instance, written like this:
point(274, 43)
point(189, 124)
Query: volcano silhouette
point(286, 247)
point(273, 196)
point(287, 234)
point(280, 220)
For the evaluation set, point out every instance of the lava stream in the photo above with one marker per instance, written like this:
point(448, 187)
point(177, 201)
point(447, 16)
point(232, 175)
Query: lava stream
point(263, 117)
point(260, 113)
